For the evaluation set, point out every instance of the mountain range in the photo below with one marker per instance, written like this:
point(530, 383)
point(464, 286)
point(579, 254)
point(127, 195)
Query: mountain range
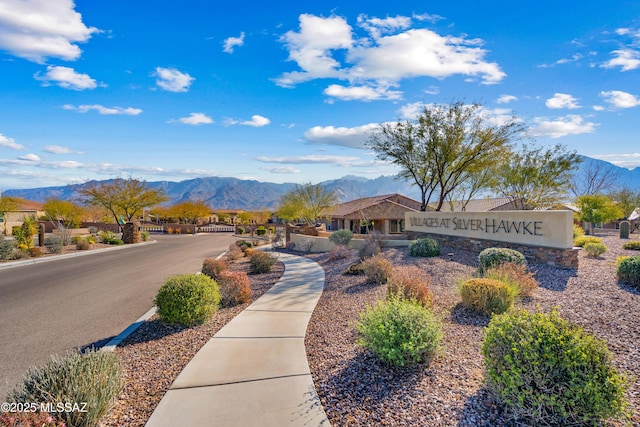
point(234, 193)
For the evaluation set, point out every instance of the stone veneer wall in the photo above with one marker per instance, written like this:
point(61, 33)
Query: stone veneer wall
point(563, 258)
point(131, 233)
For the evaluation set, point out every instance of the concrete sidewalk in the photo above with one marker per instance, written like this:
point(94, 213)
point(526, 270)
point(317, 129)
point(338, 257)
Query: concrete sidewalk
point(254, 371)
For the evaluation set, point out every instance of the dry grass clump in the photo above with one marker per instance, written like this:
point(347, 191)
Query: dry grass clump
point(411, 282)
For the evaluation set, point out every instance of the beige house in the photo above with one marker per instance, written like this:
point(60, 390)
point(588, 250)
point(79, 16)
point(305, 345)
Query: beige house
point(384, 214)
point(15, 218)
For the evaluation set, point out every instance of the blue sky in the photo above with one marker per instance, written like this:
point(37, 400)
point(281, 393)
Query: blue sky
point(288, 91)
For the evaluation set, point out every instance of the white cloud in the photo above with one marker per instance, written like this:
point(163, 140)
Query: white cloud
point(173, 80)
point(411, 111)
point(231, 42)
point(505, 99)
point(256, 121)
point(327, 48)
point(315, 159)
point(620, 99)
point(628, 160)
point(10, 143)
point(428, 17)
point(354, 137)
point(363, 93)
point(40, 29)
point(562, 100)
point(57, 149)
point(626, 59)
point(66, 78)
point(29, 157)
point(129, 111)
point(282, 169)
point(572, 124)
point(195, 119)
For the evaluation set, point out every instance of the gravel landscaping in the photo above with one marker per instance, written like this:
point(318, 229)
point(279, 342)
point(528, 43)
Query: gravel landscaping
point(354, 387)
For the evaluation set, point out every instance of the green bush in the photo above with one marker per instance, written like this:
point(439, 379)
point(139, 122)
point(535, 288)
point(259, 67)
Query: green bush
point(240, 230)
point(6, 249)
point(400, 332)
point(377, 269)
point(188, 299)
point(577, 231)
point(107, 236)
point(493, 257)
point(76, 239)
point(487, 296)
point(261, 231)
point(580, 241)
point(212, 267)
point(261, 262)
point(634, 246)
point(93, 377)
point(628, 271)
point(595, 249)
point(547, 371)
point(144, 235)
point(54, 244)
point(341, 237)
point(424, 248)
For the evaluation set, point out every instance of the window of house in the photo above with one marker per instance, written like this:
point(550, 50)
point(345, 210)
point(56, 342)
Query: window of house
point(396, 226)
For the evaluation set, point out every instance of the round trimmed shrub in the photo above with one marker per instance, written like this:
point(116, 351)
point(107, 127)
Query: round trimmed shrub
point(492, 257)
point(487, 296)
point(212, 267)
point(400, 332)
point(547, 371)
point(426, 247)
point(628, 271)
point(188, 299)
point(580, 241)
point(595, 249)
point(54, 244)
point(93, 377)
point(261, 262)
point(515, 275)
point(341, 237)
point(235, 287)
point(634, 246)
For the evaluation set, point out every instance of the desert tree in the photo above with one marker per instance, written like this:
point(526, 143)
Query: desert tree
point(597, 208)
point(63, 213)
point(626, 199)
point(306, 202)
point(594, 177)
point(121, 197)
point(189, 211)
point(535, 176)
point(445, 146)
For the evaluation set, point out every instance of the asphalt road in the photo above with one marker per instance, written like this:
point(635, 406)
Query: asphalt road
point(56, 306)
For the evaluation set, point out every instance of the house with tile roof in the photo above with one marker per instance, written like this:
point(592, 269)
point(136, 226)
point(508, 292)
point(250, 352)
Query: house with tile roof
point(384, 214)
point(15, 218)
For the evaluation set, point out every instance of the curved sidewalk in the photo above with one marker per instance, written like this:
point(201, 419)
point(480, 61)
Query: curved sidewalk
point(254, 371)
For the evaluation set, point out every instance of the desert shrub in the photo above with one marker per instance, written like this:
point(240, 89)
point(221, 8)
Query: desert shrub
point(93, 229)
point(92, 377)
point(492, 257)
point(377, 269)
point(54, 244)
point(107, 236)
point(35, 252)
point(547, 371)
point(628, 271)
point(90, 240)
point(243, 244)
point(249, 252)
point(234, 253)
point(144, 235)
point(188, 299)
point(83, 245)
point(235, 287)
point(595, 249)
point(487, 296)
point(261, 231)
point(240, 230)
point(399, 331)
point(410, 282)
point(271, 230)
point(305, 246)
point(29, 419)
point(261, 262)
point(212, 267)
point(371, 246)
point(6, 249)
point(339, 252)
point(76, 239)
point(620, 258)
point(116, 242)
point(424, 248)
point(341, 237)
point(577, 231)
point(356, 269)
point(580, 241)
point(634, 246)
point(515, 275)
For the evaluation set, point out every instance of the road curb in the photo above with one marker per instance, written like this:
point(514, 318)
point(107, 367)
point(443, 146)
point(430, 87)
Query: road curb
point(111, 345)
